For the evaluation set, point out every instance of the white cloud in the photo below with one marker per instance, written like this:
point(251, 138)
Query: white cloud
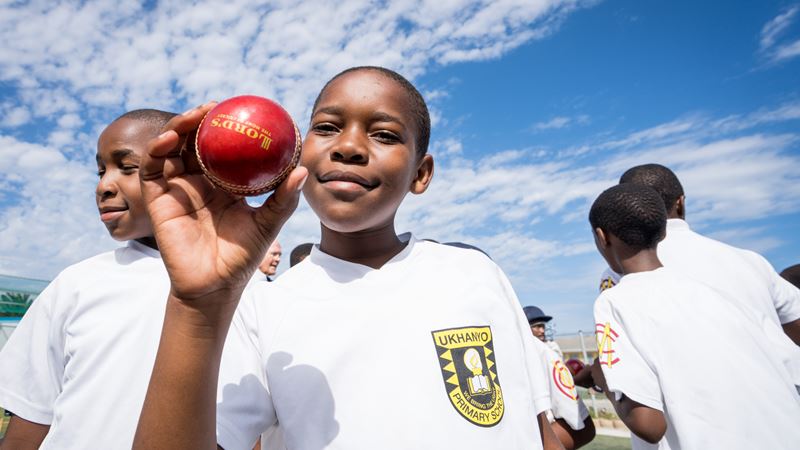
point(111, 57)
point(51, 219)
point(770, 45)
point(553, 124)
point(74, 66)
point(787, 51)
point(773, 28)
point(14, 116)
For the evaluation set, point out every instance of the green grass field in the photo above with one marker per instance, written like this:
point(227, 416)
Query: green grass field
point(609, 443)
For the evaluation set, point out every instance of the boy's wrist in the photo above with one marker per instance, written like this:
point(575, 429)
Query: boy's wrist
point(206, 318)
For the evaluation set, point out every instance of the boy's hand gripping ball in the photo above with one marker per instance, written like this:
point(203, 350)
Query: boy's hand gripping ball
point(574, 366)
point(247, 145)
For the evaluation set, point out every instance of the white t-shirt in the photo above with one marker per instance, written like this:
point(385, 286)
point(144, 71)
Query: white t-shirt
point(563, 394)
point(741, 274)
point(80, 359)
point(676, 345)
point(609, 279)
point(432, 350)
point(744, 275)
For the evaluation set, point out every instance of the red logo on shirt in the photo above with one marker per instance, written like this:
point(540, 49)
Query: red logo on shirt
point(605, 344)
point(563, 380)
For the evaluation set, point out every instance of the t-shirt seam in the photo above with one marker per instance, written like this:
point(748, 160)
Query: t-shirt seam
point(42, 413)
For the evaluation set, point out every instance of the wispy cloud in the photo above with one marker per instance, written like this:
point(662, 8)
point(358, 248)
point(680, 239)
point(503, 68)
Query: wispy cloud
point(772, 29)
point(770, 44)
point(559, 122)
point(73, 66)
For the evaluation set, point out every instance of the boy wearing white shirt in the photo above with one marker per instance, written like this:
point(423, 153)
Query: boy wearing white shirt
point(372, 341)
point(657, 331)
point(75, 371)
point(744, 276)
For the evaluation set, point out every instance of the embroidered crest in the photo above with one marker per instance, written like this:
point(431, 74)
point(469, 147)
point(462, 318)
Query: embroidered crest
point(606, 283)
point(469, 370)
point(606, 337)
point(563, 379)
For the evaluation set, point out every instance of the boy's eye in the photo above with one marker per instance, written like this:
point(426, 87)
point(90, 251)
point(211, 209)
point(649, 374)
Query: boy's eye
point(129, 168)
point(101, 172)
point(387, 137)
point(324, 128)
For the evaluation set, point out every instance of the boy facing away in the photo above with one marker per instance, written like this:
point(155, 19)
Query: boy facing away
point(371, 342)
point(75, 371)
point(742, 275)
point(676, 359)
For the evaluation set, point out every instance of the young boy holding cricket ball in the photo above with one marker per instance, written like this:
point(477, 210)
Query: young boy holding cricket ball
point(371, 342)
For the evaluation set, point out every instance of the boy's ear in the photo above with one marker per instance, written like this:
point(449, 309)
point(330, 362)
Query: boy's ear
point(601, 237)
point(680, 207)
point(423, 176)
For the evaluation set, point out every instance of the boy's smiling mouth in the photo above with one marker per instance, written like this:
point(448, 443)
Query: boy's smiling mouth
point(111, 213)
point(338, 179)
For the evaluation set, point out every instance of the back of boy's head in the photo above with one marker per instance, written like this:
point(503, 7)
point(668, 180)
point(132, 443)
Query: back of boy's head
point(792, 275)
point(419, 109)
point(657, 177)
point(154, 118)
point(300, 253)
point(633, 213)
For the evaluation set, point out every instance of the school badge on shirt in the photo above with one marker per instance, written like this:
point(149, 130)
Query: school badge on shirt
point(563, 380)
point(469, 370)
point(606, 336)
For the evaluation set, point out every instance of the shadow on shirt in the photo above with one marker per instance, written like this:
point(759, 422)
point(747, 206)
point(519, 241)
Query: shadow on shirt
point(303, 404)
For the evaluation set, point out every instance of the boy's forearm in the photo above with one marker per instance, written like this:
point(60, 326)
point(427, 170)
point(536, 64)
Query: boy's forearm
point(647, 423)
point(179, 411)
point(572, 439)
point(549, 439)
point(23, 435)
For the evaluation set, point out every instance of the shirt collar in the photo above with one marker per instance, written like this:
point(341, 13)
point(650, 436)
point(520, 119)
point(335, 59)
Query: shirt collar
point(676, 224)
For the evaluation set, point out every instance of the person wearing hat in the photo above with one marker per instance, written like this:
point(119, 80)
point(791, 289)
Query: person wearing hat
point(568, 415)
point(538, 320)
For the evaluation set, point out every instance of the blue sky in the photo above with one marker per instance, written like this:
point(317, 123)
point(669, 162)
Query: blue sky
point(538, 106)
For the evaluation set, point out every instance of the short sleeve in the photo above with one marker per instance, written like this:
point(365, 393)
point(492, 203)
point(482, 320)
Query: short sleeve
point(540, 392)
point(608, 279)
point(33, 361)
point(625, 368)
point(564, 400)
point(244, 404)
point(786, 298)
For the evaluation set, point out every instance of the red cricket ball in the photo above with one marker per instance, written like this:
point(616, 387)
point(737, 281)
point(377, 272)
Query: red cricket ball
point(247, 145)
point(574, 366)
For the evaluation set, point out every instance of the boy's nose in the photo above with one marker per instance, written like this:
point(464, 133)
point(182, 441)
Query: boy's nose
point(350, 148)
point(105, 187)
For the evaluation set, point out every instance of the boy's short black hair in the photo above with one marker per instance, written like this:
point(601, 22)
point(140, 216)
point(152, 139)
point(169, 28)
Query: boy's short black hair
point(299, 253)
point(633, 213)
point(419, 109)
point(152, 117)
point(792, 275)
point(658, 178)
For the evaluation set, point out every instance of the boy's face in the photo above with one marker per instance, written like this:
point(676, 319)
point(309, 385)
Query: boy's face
point(361, 153)
point(118, 194)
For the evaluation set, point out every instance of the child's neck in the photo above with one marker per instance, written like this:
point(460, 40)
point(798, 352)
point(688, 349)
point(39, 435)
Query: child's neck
point(372, 248)
point(639, 261)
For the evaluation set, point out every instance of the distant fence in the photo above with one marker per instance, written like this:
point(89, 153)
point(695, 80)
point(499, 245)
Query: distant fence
point(580, 345)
